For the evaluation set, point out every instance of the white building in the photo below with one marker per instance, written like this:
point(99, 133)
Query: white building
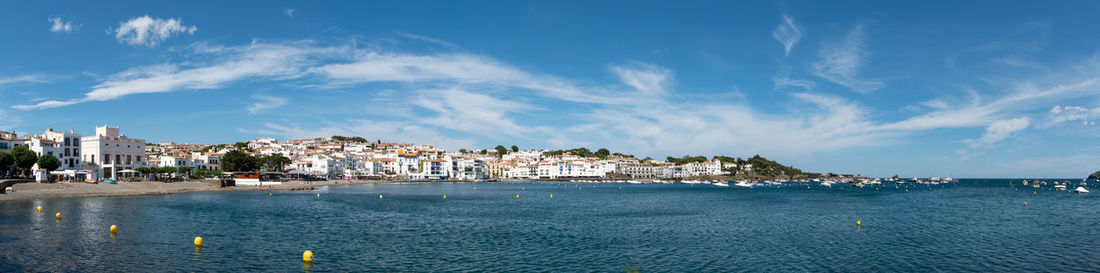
point(70, 148)
point(175, 161)
point(110, 152)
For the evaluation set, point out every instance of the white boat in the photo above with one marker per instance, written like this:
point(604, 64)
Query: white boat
point(633, 182)
point(1081, 190)
point(826, 184)
point(1059, 187)
point(720, 184)
point(743, 184)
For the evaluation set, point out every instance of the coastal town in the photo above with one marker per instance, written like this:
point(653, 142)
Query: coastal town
point(111, 155)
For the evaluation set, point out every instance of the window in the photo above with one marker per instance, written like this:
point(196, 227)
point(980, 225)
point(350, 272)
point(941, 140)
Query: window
point(118, 158)
point(106, 158)
point(67, 152)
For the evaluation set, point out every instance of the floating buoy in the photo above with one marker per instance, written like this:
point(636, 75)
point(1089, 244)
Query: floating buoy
point(551, 196)
point(114, 229)
point(444, 196)
point(1025, 203)
point(58, 216)
point(523, 189)
point(1035, 192)
point(269, 194)
point(198, 241)
point(39, 208)
point(318, 195)
point(379, 196)
point(517, 196)
point(859, 223)
point(475, 188)
point(307, 256)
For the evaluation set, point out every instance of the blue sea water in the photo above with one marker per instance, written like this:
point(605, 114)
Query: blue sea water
point(972, 225)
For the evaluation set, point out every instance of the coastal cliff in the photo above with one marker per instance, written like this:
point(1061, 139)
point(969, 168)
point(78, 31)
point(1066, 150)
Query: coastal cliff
point(1095, 175)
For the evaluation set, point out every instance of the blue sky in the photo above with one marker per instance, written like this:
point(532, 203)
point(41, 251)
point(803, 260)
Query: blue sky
point(915, 89)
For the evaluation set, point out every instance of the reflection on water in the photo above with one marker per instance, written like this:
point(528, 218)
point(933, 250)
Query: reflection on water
point(967, 226)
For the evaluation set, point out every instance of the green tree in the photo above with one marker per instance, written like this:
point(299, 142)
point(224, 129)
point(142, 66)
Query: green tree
point(275, 162)
point(603, 153)
point(463, 150)
point(501, 150)
point(237, 161)
point(6, 163)
point(24, 159)
point(515, 148)
point(48, 163)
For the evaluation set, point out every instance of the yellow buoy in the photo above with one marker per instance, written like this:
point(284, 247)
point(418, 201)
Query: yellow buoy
point(444, 196)
point(523, 189)
point(1025, 203)
point(475, 188)
point(39, 208)
point(859, 223)
point(58, 216)
point(1035, 192)
point(198, 241)
point(318, 195)
point(551, 196)
point(307, 256)
point(517, 196)
point(269, 194)
point(114, 228)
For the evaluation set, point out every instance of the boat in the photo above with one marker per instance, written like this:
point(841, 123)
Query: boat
point(1081, 190)
point(857, 184)
point(720, 184)
point(1026, 182)
point(633, 182)
point(1059, 186)
point(827, 184)
point(743, 184)
point(1035, 184)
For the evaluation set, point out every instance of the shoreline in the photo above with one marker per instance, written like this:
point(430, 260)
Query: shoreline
point(33, 191)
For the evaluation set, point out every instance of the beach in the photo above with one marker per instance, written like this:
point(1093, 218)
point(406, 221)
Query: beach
point(30, 191)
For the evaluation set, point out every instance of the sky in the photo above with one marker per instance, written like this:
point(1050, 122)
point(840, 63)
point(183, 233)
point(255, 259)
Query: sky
point(924, 88)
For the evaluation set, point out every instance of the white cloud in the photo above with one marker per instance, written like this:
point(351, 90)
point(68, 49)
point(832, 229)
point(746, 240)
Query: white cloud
point(840, 63)
point(21, 79)
point(59, 25)
point(289, 12)
point(1001, 129)
point(148, 31)
point(270, 61)
point(264, 102)
point(788, 34)
point(472, 113)
point(1061, 114)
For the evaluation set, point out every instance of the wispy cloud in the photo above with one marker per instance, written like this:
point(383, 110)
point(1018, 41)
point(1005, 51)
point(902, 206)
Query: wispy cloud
point(289, 12)
point(274, 62)
point(473, 113)
point(150, 32)
point(59, 25)
point(264, 102)
point(1001, 129)
point(426, 39)
point(840, 62)
point(21, 79)
point(788, 34)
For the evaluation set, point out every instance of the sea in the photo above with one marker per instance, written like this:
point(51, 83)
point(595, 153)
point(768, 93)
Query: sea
point(973, 225)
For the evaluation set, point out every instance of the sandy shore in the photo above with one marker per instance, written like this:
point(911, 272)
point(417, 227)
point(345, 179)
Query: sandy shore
point(30, 191)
